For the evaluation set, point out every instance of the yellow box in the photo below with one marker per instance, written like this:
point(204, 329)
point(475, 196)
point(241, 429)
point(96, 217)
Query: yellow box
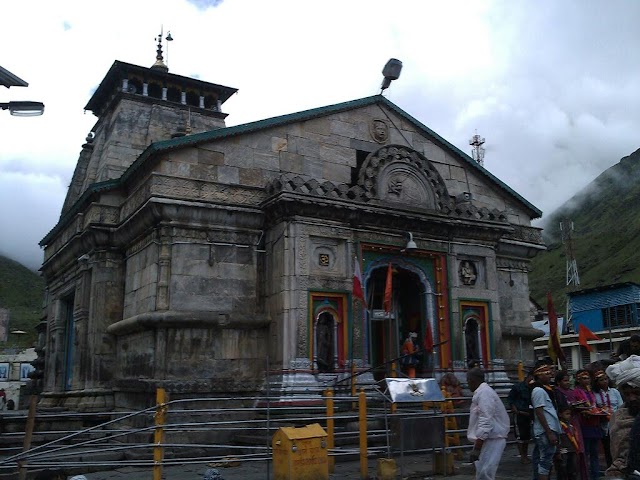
point(300, 453)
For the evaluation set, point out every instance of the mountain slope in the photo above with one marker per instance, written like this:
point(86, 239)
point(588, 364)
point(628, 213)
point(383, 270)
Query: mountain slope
point(606, 237)
point(22, 292)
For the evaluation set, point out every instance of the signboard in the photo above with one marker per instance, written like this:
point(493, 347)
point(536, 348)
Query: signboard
point(414, 390)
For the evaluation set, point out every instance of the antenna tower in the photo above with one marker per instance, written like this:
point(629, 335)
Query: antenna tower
point(478, 150)
point(566, 229)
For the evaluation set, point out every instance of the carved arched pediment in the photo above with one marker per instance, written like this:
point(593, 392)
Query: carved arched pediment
point(398, 174)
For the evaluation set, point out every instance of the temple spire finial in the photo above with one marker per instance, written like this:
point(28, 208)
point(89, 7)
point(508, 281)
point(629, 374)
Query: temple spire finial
point(160, 65)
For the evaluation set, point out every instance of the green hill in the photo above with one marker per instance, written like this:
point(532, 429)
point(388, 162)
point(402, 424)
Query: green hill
point(606, 237)
point(22, 292)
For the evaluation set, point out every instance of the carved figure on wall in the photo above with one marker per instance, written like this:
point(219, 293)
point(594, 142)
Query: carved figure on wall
point(379, 131)
point(468, 272)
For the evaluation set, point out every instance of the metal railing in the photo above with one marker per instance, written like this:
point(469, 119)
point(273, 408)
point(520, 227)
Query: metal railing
point(219, 430)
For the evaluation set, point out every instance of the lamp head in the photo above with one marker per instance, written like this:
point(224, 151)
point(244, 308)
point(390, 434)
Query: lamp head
point(411, 245)
point(23, 109)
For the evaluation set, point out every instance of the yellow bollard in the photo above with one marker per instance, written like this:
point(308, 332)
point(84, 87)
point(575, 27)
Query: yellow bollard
point(394, 374)
point(362, 421)
point(520, 371)
point(158, 436)
point(330, 430)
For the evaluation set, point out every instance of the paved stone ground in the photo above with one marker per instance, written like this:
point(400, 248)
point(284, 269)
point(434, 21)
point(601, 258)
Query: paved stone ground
point(414, 467)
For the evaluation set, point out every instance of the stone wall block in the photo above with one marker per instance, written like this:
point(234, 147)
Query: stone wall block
point(401, 137)
point(434, 153)
point(336, 173)
point(266, 161)
point(209, 157)
point(314, 167)
point(229, 175)
point(279, 144)
point(458, 173)
point(291, 162)
point(339, 127)
point(306, 147)
point(251, 177)
point(318, 125)
point(338, 155)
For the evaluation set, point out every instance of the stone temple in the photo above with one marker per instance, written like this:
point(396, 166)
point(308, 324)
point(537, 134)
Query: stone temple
point(212, 260)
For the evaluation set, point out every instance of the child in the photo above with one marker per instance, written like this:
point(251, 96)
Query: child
point(566, 455)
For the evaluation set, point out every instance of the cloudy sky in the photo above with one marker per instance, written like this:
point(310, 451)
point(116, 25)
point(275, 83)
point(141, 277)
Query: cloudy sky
point(553, 86)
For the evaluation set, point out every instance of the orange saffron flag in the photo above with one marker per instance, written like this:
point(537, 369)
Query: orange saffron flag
point(584, 334)
point(387, 290)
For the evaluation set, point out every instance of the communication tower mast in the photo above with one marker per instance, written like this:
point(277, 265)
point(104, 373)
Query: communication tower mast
point(566, 228)
point(478, 150)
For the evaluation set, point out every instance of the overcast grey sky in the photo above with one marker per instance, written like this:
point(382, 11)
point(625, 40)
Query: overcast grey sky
point(553, 86)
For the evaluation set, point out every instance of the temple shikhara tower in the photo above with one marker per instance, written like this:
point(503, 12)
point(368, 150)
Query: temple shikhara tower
point(191, 255)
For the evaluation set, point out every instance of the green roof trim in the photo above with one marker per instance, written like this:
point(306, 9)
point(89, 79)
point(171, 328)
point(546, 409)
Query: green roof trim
point(199, 138)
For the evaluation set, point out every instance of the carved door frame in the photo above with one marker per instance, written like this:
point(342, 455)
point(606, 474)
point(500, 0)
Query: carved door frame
point(479, 312)
point(337, 305)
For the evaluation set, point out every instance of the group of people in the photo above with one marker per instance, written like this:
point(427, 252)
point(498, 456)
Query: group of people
point(567, 424)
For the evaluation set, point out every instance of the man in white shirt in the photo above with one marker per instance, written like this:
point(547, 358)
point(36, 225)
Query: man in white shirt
point(488, 426)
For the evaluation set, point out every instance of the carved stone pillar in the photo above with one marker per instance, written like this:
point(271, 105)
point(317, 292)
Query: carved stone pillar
point(164, 270)
point(106, 305)
point(82, 300)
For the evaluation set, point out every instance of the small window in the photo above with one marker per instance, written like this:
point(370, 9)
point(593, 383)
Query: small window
point(174, 94)
point(155, 90)
point(617, 316)
point(193, 99)
point(585, 357)
point(569, 358)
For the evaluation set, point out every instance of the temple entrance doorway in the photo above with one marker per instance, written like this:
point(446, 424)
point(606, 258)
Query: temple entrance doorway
point(402, 330)
point(325, 342)
point(477, 343)
point(472, 341)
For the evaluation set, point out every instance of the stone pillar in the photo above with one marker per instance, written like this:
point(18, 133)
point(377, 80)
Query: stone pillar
point(106, 305)
point(81, 317)
point(164, 270)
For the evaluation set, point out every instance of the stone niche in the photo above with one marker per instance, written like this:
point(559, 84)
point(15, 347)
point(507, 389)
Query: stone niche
point(471, 272)
point(327, 256)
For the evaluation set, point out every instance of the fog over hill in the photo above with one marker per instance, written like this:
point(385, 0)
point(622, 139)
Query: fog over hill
point(606, 236)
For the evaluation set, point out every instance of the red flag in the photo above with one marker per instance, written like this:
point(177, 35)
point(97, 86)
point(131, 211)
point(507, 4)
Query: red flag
point(357, 283)
point(585, 334)
point(428, 338)
point(553, 347)
point(387, 290)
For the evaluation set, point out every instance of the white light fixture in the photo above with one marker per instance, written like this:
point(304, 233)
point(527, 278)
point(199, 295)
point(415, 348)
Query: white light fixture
point(23, 109)
point(411, 245)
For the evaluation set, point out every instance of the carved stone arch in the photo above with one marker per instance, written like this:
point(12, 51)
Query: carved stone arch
point(399, 174)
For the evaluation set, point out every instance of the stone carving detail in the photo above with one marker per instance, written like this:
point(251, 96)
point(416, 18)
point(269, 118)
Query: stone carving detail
point(526, 234)
point(507, 264)
point(468, 272)
point(379, 130)
point(304, 185)
point(404, 186)
point(402, 175)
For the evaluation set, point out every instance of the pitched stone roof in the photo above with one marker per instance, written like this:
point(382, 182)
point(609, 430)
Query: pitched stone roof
point(238, 130)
